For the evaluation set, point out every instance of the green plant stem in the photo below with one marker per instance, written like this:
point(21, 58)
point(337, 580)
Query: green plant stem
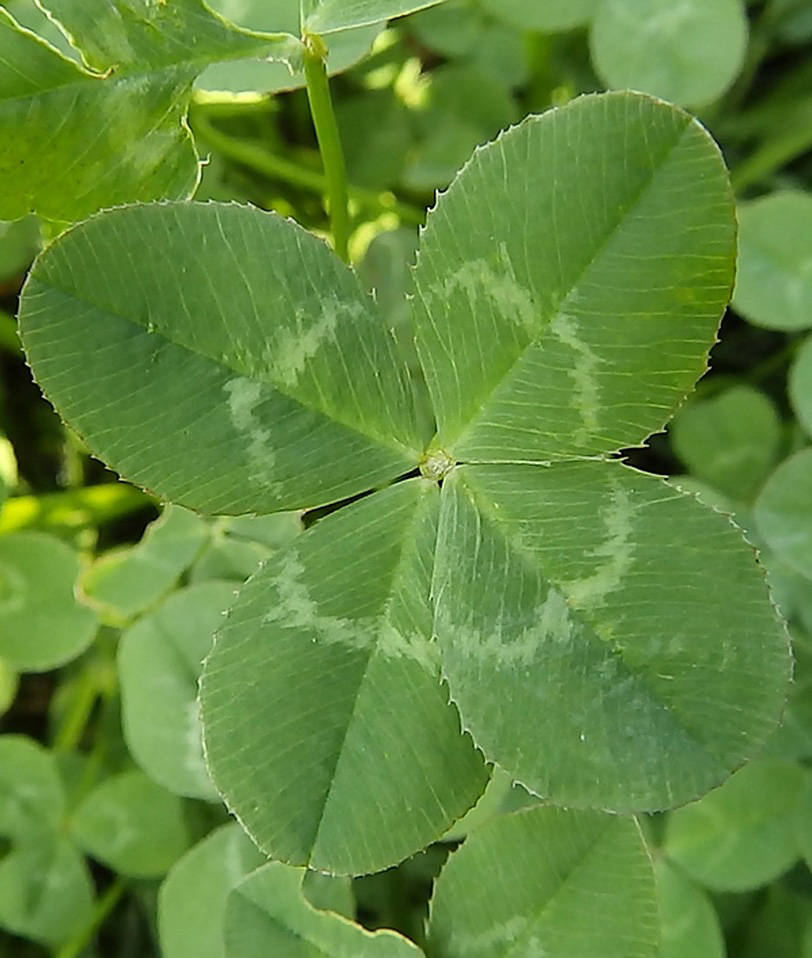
point(324, 120)
point(70, 731)
point(258, 158)
point(104, 905)
point(771, 156)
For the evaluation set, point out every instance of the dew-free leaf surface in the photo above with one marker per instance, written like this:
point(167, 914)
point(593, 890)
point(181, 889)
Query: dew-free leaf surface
point(557, 668)
point(774, 276)
point(192, 899)
point(132, 825)
point(127, 581)
point(545, 881)
point(783, 512)
point(268, 914)
point(300, 395)
point(344, 729)
point(278, 16)
point(329, 16)
point(742, 835)
point(78, 138)
point(730, 441)
point(42, 625)
point(689, 925)
point(569, 309)
point(160, 660)
point(800, 385)
point(547, 17)
point(31, 795)
point(688, 52)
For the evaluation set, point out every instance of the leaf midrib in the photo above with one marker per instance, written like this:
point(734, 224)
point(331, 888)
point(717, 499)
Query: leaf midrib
point(485, 508)
point(384, 440)
point(565, 295)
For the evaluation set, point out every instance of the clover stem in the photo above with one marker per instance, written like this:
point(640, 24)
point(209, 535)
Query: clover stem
point(324, 120)
point(84, 937)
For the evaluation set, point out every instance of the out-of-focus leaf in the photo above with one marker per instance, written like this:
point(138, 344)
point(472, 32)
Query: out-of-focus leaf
point(42, 625)
point(783, 512)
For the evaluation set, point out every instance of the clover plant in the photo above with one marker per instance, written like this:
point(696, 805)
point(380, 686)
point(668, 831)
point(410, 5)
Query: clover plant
point(412, 615)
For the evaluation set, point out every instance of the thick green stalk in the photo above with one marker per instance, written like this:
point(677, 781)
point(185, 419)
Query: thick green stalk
point(258, 158)
point(324, 120)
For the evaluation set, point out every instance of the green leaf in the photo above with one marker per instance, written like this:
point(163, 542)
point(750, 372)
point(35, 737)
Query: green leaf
point(689, 926)
point(132, 825)
point(9, 682)
point(346, 47)
point(501, 796)
point(550, 16)
point(800, 385)
point(80, 138)
point(46, 892)
point(730, 441)
point(128, 581)
point(624, 654)
point(192, 899)
point(32, 799)
point(42, 626)
point(578, 330)
point(774, 278)
point(742, 835)
point(160, 659)
point(267, 914)
point(19, 243)
point(783, 512)
point(238, 545)
point(343, 727)
point(793, 738)
point(689, 52)
point(777, 925)
point(563, 884)
point(299, 397)
point(803, 823)
point(328, 16)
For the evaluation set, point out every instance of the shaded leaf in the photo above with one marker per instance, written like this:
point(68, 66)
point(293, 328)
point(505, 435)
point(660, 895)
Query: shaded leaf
point(730, 441)
point(268, 914)
point(327, 652)
point(299, 397)
point(192, 899)
point(579, 330)
point(689, 926)
point(774, 276)
point(127, 581)
point(742, 835)
point(547, 17)
point(32, 799)
point(597, 667)
point(689, 52)
point(546, 881)
point(800, 385)
point(42, 625)
point(160, 660)
point(328, 16)
point(132, 825)
point(783, 512)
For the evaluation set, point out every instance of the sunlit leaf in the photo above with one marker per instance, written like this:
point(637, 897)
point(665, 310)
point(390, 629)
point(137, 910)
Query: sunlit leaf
point(597, 666)
point(343, 727)
point(80, 138)
point(581, 329)
point(299, 397)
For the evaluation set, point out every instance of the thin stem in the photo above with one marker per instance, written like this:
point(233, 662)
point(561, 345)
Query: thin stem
point(276, 167)
point(70, 731)
point(771, 157)
point(324, 120)
point(105, 904)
